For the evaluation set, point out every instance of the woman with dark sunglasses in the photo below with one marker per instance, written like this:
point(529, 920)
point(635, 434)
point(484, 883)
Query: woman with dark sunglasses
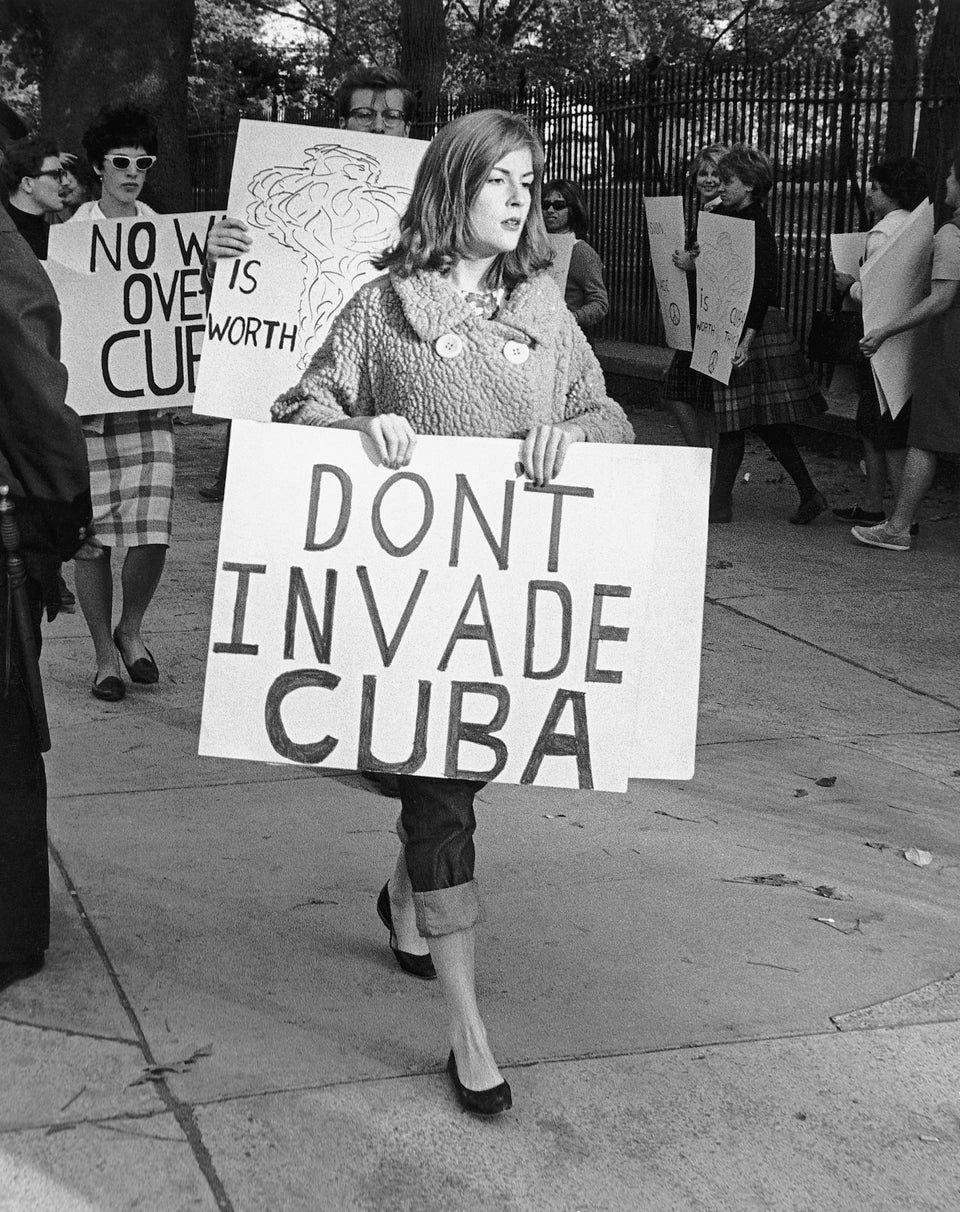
point(130, 453)
point(565, 211)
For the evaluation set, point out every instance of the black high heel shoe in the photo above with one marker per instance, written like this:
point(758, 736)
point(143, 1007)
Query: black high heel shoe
point(480, 1102)
point(416, 965)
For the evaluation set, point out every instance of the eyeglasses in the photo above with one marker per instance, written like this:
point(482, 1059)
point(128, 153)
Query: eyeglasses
point(58, 173)
point(367, 117)
point(141, 163)
point(553, 205)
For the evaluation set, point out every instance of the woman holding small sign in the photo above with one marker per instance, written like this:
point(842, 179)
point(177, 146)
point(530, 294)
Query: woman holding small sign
point(465, 334)
point(130, 453)
point(770, 386)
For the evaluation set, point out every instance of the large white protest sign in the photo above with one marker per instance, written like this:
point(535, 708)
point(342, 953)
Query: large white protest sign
point(134, 311)
point(893, 281)
point(847, 250)
point(665, 232)
point(319, 205)
point(725, 270)
point(452, 619)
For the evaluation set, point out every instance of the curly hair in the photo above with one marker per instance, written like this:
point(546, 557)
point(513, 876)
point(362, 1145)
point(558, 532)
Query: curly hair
point(120, 126)
point(751, 165)
point(435, 229)
point(578, 216)
point(904, 180)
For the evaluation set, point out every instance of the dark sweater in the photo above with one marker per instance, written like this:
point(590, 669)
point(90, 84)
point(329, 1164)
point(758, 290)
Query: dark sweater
point(766, 286)
point(34, 228)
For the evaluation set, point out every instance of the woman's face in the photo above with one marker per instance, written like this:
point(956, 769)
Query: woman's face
point(122, 186)
point(500, 209)
point(734, 193)
point(707, 180)
point(878, 202)
point(953, 189)
point(556, 213)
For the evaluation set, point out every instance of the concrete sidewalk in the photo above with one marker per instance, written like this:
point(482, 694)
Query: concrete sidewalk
point(733, 993)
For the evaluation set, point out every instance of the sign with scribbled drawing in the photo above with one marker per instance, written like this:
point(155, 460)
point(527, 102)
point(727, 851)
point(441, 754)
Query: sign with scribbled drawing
point(451, 618)
point(893, 281)
point(665, 232)
point(319, 204)
point(562, 244)
point(725, 269)
point(134, 311)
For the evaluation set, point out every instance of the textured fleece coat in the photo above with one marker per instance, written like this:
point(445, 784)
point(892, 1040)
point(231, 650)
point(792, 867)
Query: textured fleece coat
point(414, 346)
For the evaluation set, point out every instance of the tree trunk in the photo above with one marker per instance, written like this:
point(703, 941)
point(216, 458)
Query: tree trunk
point(423, 55)
point(901, 110)
point(940, 113)
point(138, 51)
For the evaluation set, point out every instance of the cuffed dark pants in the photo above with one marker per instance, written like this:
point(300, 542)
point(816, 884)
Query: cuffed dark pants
point(436, 827)
point(24, 881)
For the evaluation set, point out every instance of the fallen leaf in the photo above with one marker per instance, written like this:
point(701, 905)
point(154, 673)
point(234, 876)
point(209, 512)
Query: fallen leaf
point(156, 1073)
point(878, 845)
point(831, 894)
point(919, 858)
point(827, 781)
point(800, 793)
point(720, 564)
point(835, 925)
point(746, 477)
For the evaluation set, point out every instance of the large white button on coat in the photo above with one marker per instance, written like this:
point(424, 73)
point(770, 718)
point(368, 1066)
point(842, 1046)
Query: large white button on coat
point(449, 345)
point(516, 352)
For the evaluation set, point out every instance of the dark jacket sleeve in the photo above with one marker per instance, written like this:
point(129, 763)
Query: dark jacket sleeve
point(43, 456)
point(766, 271)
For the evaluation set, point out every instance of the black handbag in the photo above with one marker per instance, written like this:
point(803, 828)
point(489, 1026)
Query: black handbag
point(835, 337)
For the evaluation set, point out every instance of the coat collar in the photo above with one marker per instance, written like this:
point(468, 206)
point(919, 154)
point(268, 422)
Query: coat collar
point(432, 307)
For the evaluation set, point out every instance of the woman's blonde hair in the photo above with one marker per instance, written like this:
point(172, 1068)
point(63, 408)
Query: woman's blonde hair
point(435, 230)
point(712, 152)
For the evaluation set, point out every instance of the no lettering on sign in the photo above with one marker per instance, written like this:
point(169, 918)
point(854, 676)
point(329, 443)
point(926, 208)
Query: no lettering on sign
point(449, 619)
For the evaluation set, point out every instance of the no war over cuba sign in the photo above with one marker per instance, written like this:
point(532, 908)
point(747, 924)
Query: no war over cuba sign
point(134, 309)
point(451, 618)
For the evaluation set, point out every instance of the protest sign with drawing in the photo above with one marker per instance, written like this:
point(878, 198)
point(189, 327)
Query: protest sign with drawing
point(562, 245)
point(134, 311)
point(893, 281)
point(665, 232)
point(319, 205)
point(725, 270)
point(452, 618)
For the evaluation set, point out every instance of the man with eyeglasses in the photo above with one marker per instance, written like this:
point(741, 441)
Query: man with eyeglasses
point(375, 99)
point(33, 178)
point(378, 100)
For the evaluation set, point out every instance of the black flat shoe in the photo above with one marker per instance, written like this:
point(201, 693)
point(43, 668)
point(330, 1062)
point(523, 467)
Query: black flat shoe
point(143, 670)
point(416, 965)
point(809, 509)
point(863, 517)
point(480, 1102)
point(20, 969)
point(110, 689)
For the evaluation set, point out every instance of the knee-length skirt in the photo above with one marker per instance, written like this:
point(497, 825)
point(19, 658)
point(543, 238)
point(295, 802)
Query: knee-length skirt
point(775, 386)
point(131, 479)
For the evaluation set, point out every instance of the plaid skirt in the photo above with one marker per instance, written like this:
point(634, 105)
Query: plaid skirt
point(775, 386)
point(131, 479)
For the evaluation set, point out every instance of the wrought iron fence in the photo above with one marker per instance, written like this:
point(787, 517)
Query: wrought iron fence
point(823, 123)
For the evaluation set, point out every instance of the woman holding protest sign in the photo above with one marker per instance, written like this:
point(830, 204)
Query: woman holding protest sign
point(771, 385)
point(130, 453)
point(464, 335)
point(935, 415)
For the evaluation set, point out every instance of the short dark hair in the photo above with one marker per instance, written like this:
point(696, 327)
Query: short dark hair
point(378, 80)
point(435, 229)
point(120, 126)
point(578, 216)
point(751, 165)
point(25, 159)
point(904, 180)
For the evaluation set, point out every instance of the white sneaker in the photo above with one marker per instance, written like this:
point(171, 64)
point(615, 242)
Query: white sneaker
point(881, 536)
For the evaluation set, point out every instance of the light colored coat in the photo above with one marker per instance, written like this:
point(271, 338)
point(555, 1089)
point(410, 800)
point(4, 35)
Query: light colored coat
point(414, 346)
